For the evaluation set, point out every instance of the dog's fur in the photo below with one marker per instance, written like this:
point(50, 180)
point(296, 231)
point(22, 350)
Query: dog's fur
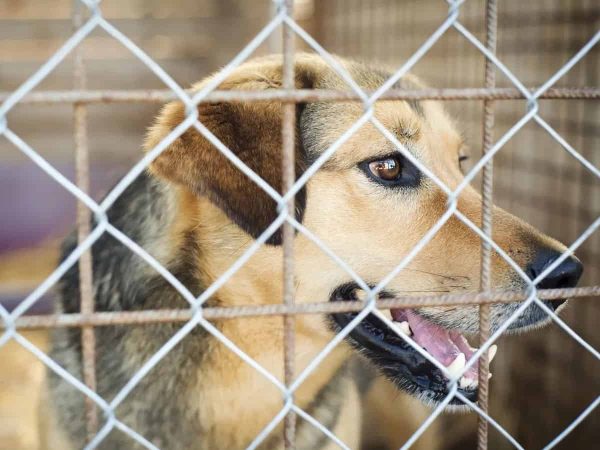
point(196, 214)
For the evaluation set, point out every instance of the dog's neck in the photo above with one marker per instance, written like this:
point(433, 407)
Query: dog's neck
point(259, 281)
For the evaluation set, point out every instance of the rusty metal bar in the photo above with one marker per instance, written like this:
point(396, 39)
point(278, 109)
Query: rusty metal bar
point(182, 315)
point(160, 96)
point(82, 179)
point(288, 148)
point(487, 205)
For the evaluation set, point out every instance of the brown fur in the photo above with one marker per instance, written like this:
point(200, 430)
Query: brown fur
point(371, 229)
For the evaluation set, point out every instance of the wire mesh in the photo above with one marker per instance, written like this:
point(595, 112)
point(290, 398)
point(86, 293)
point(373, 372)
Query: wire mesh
point(197, 315)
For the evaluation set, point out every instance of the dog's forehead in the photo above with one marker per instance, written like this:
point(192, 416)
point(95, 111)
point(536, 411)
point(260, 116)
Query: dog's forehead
point(432, 133)
point(412, 121)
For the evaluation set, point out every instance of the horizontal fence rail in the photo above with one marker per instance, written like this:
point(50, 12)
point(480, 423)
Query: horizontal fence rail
point(301, 95)
point(182, 315)
point(100, 414)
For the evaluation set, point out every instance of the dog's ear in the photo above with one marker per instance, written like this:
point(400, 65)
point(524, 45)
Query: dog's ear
point(250, 130)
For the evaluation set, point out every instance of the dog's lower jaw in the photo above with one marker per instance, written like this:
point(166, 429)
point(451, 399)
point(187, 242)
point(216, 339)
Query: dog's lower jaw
point(408, 369)
point(398, 360)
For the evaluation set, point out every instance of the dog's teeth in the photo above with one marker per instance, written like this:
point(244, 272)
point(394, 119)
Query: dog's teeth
point(492, 352)
point(470, 383)
point(467, 383)
point(404, 327)
point(456, 367)
point(387, 314)
point(463, 382)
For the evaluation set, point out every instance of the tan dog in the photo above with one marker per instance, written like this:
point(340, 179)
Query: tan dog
point(196, 213)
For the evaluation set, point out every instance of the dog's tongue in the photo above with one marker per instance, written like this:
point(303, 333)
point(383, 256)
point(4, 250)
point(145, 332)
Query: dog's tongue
point(444, 345)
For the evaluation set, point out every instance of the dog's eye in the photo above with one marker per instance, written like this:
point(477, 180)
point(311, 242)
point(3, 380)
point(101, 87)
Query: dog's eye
point(387, 169)
point(391, 171)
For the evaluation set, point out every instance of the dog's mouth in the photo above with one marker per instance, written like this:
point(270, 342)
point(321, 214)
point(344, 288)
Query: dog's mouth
point(400, 362)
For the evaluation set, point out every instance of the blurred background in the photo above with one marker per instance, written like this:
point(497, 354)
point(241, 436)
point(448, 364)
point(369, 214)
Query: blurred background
point(542, 380)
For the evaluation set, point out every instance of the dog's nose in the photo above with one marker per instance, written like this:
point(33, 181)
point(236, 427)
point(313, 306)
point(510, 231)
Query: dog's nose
point(565, 275)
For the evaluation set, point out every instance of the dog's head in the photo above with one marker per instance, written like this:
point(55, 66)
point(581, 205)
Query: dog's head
point(368, 204)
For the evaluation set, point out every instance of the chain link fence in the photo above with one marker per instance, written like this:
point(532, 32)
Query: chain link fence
point(100, 413)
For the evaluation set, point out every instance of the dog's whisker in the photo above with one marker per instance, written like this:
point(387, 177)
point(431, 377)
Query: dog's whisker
point(420, 291)
point(435, 274)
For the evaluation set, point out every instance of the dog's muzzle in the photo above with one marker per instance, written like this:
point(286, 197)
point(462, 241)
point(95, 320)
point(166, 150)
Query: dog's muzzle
point(413, 372)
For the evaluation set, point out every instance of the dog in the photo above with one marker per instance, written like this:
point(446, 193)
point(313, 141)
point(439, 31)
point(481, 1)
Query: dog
point(196, 214)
